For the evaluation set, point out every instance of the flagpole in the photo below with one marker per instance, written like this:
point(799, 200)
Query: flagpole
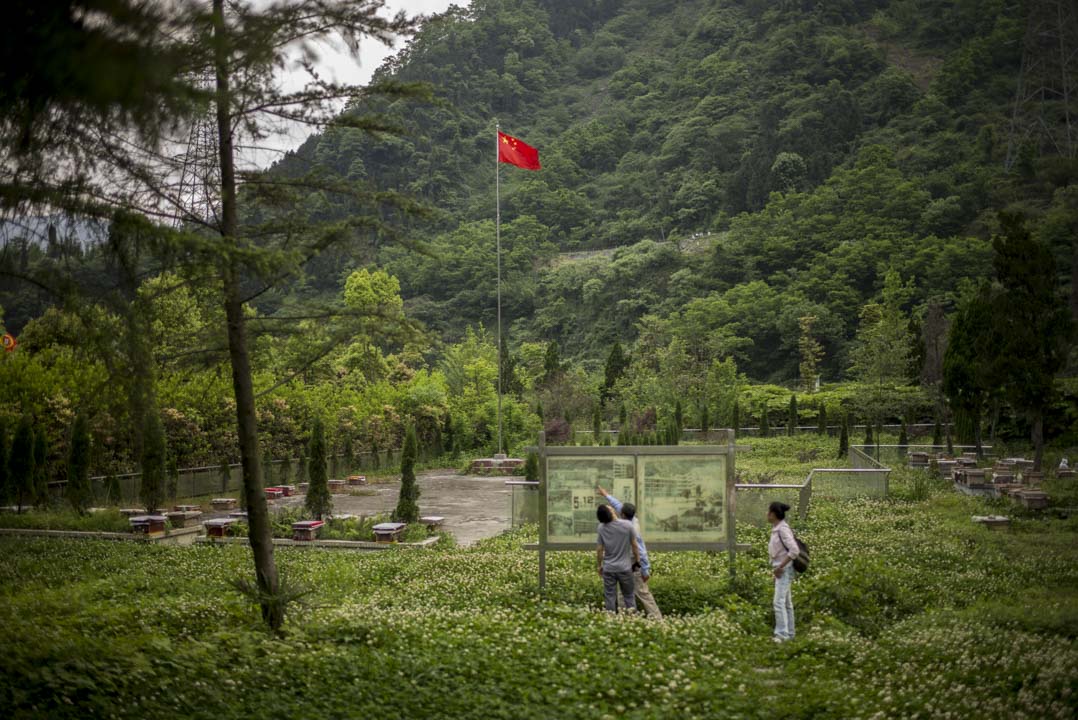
point(498, 242)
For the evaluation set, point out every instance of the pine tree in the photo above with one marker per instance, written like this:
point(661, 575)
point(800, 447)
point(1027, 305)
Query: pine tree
point(41, 467)
point(869, 440)
point(531, 468)
point(5, 489)
point(407, 503)
point(224, 472)
point(737, 417)
point(597, 423)
point(449, 438)
point(151, 487)
point(937, 433)
point(77, 491)
point(172, 473)
point(623, 418)
point(376, 461)
point(765, 425)
point(822, 425)
point(705, 419)
point(791, 420)
point(844, 438)
point(21, 463)
point(903, 441)
point(551, 362)
point(349, 460)
point(267, 469)
point(616, 364)
point(318, 501)
point(113, 493)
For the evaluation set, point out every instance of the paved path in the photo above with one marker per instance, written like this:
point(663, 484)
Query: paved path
point(474, 507)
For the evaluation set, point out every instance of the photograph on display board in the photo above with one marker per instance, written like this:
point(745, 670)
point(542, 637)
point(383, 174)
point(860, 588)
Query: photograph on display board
point(682, 499)
point(572, 496)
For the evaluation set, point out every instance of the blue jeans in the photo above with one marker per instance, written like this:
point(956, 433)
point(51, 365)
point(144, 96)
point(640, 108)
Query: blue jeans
point(784, 605)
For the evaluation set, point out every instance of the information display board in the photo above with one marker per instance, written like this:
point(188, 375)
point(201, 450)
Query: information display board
point(682, 498)
point(572, 497)
point(681, 493)
point(684, 495)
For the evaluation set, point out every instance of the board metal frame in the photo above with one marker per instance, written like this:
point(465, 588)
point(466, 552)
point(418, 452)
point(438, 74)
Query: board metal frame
point(729, 450)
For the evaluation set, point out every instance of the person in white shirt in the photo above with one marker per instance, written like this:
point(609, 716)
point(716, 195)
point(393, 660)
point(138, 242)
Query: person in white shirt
point(783, 550)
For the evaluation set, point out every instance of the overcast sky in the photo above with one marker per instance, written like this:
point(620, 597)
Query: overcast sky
point(336, 63)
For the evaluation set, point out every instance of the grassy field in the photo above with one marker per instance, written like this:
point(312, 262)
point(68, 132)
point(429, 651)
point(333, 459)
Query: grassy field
point(910, 610)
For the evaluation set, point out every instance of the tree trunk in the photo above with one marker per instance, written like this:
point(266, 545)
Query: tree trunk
point(977, 439)
point(1074, 279)
point(260, 537)
point(1038, 440)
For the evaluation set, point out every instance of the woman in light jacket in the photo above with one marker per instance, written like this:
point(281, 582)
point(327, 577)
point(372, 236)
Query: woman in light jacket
point(783, 550)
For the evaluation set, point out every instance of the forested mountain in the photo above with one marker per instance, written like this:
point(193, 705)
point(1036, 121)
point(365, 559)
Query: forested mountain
point(733, 193)
point(821, 143)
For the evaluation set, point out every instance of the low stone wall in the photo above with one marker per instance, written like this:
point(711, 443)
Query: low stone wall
point(178, 536)
point(325, 544)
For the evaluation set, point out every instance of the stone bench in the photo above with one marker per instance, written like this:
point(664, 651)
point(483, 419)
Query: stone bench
point(976, 476)
point(305, 530)
point(336, 487)
point(1033, 499)
point(184, 518)
point(993, 522)
point(218, 527)
point(1032, 477)
point(433, 522)
point(149, 525)
point(946, 468)
point(357, 479)
point(223, 504)
point(389, 532)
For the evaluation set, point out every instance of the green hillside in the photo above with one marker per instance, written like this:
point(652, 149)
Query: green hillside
point(823, 143)
point(737, 198)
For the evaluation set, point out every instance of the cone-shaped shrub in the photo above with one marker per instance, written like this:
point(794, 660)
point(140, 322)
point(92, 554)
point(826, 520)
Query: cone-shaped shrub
point(77, 490)
point(407, 503)
point(152, 485)
point(844, 438)
point(319, 503)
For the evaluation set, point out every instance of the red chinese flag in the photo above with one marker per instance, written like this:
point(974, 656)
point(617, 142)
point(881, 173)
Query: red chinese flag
point(517, 152)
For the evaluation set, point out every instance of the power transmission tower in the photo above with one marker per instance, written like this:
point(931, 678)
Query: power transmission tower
point(199, 191)
point(1044, 114)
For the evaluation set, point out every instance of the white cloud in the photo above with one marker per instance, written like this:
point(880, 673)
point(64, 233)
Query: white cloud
point(336, 63)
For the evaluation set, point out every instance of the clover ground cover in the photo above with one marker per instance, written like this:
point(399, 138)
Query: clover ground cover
point(909, 610)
